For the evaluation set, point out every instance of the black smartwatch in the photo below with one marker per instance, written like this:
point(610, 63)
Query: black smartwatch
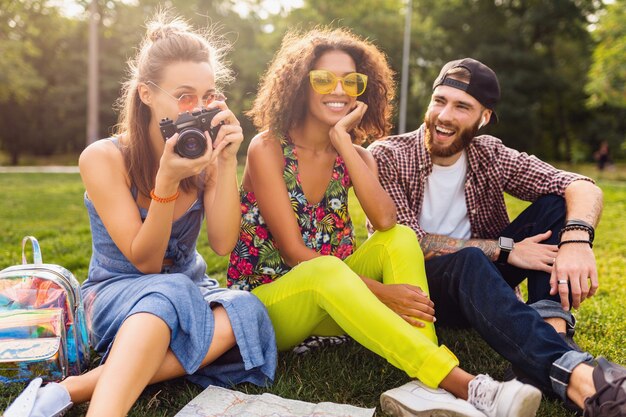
point(506, 246)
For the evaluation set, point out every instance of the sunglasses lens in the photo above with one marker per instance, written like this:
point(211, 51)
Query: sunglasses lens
point(187, 102)
point(354, 84)
point(206, 100)
point(323, 82)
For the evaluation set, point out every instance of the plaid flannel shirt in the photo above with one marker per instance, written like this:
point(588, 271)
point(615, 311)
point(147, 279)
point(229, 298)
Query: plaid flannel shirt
point(493, 169)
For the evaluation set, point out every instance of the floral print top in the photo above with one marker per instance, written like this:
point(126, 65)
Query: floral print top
point(326, 227)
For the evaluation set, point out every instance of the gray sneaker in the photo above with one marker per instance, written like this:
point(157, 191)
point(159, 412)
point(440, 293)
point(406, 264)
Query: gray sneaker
point(503, 399)
point(415, 399)
point(609, 400)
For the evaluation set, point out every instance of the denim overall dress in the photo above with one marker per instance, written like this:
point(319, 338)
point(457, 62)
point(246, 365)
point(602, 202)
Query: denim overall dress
point(181, 295)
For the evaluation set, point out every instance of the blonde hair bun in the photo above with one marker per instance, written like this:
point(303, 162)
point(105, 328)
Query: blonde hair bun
point(161, 27)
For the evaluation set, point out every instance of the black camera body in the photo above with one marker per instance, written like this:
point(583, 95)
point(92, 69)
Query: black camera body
point(191, 142)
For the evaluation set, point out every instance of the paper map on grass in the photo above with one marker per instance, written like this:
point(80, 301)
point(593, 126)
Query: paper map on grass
point(221, 402)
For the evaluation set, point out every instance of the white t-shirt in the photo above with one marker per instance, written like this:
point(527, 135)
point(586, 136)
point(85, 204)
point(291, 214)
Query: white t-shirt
point(444, 211)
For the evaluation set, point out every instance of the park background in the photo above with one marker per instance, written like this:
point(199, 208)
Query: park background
point(562, 70)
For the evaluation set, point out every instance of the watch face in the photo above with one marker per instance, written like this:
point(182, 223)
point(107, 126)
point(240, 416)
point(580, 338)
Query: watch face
point(506, 243)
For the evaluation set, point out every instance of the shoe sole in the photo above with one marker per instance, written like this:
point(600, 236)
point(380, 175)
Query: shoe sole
point(528, 406)
point(394, 408)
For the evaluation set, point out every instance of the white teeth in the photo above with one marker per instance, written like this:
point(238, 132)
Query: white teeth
point(336, 105)
point(444, 130)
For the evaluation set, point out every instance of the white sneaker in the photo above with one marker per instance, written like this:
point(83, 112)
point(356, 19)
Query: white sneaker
point(53, 400)
point(503, 399)
point(415, 399)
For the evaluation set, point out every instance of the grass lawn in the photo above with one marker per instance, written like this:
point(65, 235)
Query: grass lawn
point(50, 207)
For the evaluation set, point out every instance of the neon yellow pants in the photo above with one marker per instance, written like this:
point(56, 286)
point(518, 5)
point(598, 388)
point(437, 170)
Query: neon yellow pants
point(325, 296)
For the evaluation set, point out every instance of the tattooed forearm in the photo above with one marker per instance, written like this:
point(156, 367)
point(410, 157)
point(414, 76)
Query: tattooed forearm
point(596, 211)
point(583, 201)
point(437, 245)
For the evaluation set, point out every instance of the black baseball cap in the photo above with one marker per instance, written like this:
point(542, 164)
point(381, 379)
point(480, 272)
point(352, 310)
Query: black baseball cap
point(483, 85)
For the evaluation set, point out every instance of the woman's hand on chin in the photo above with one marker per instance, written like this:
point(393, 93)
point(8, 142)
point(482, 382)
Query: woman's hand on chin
point(340, 133)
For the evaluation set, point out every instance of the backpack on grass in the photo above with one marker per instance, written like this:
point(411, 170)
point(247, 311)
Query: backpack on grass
point(42, 322)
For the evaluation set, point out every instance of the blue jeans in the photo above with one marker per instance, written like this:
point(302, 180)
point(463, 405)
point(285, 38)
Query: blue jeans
point(468, 291)
point(546, 213)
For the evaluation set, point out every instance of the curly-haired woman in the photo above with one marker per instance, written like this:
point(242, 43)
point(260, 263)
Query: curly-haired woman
point(323, 94)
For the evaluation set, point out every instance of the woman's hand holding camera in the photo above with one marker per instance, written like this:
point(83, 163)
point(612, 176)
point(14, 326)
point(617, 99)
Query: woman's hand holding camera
point(173, 168)
point(230, 135)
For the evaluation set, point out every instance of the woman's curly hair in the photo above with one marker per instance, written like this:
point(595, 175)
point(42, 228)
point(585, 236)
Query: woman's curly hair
point(281, 102)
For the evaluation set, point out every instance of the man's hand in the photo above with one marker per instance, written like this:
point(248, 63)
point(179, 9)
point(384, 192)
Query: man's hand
point(408, 301)
point(575, 263)
point(533, 255)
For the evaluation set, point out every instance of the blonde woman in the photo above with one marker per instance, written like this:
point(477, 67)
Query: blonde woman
point(152, 311)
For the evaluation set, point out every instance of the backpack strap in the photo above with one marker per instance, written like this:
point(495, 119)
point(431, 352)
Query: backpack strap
point(36, 250)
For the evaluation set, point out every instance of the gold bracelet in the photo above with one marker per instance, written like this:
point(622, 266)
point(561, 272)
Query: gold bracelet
point(164, 199)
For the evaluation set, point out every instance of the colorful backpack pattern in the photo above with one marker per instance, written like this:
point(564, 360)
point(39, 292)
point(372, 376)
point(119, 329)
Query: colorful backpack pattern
point(42, 322)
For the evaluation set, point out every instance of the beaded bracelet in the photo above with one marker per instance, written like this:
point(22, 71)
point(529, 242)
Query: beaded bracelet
point(169, 199)
point(571, 227)
point(575, 241)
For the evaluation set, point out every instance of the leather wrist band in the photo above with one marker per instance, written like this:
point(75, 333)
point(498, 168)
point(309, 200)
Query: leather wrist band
point(169, 199)
point(577, 227)
point(575, 241)
point(578, 223)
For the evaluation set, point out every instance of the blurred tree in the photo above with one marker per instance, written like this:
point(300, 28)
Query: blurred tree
point(606, 83)
point(607, 76)
point(540, 50)
point(42, 107)
point(18, 78)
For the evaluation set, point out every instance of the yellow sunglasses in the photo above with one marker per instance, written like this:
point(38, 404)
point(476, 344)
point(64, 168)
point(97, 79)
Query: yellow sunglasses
point(325, 82)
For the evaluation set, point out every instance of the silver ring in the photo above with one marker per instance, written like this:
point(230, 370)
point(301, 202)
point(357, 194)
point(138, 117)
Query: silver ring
point(562, 281)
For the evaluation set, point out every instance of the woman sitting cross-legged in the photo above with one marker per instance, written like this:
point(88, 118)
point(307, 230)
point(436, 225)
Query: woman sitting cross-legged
point(324, 92)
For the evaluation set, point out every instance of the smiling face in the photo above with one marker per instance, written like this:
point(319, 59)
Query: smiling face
point(328, 109)
point(452, 119)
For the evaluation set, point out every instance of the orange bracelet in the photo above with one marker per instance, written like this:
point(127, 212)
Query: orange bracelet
point(164, 199)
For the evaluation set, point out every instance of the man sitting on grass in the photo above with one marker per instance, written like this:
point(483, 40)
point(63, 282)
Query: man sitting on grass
point(448, 184)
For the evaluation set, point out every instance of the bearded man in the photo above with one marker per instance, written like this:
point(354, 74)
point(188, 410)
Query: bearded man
point(448, 185)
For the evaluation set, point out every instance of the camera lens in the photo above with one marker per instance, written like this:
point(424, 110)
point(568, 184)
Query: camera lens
point(191, 143)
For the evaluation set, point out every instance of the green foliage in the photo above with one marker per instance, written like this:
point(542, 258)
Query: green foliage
point(607, 76)
point(542, 51)
point(42, 104)
point(18, 77)
point(539, 49)
point(50, 207)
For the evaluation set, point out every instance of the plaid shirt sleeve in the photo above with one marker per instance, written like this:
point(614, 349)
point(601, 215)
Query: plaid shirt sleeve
point(394, 174)
point(528, 178)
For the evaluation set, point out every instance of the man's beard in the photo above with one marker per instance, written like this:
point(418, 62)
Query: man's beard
point(462, 141)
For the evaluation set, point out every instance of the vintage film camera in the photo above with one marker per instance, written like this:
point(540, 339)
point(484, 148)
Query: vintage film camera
point(190, 127)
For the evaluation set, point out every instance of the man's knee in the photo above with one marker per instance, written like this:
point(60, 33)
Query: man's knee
point(550, 201)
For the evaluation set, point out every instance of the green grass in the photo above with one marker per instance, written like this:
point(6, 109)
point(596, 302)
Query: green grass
point(50, 207)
